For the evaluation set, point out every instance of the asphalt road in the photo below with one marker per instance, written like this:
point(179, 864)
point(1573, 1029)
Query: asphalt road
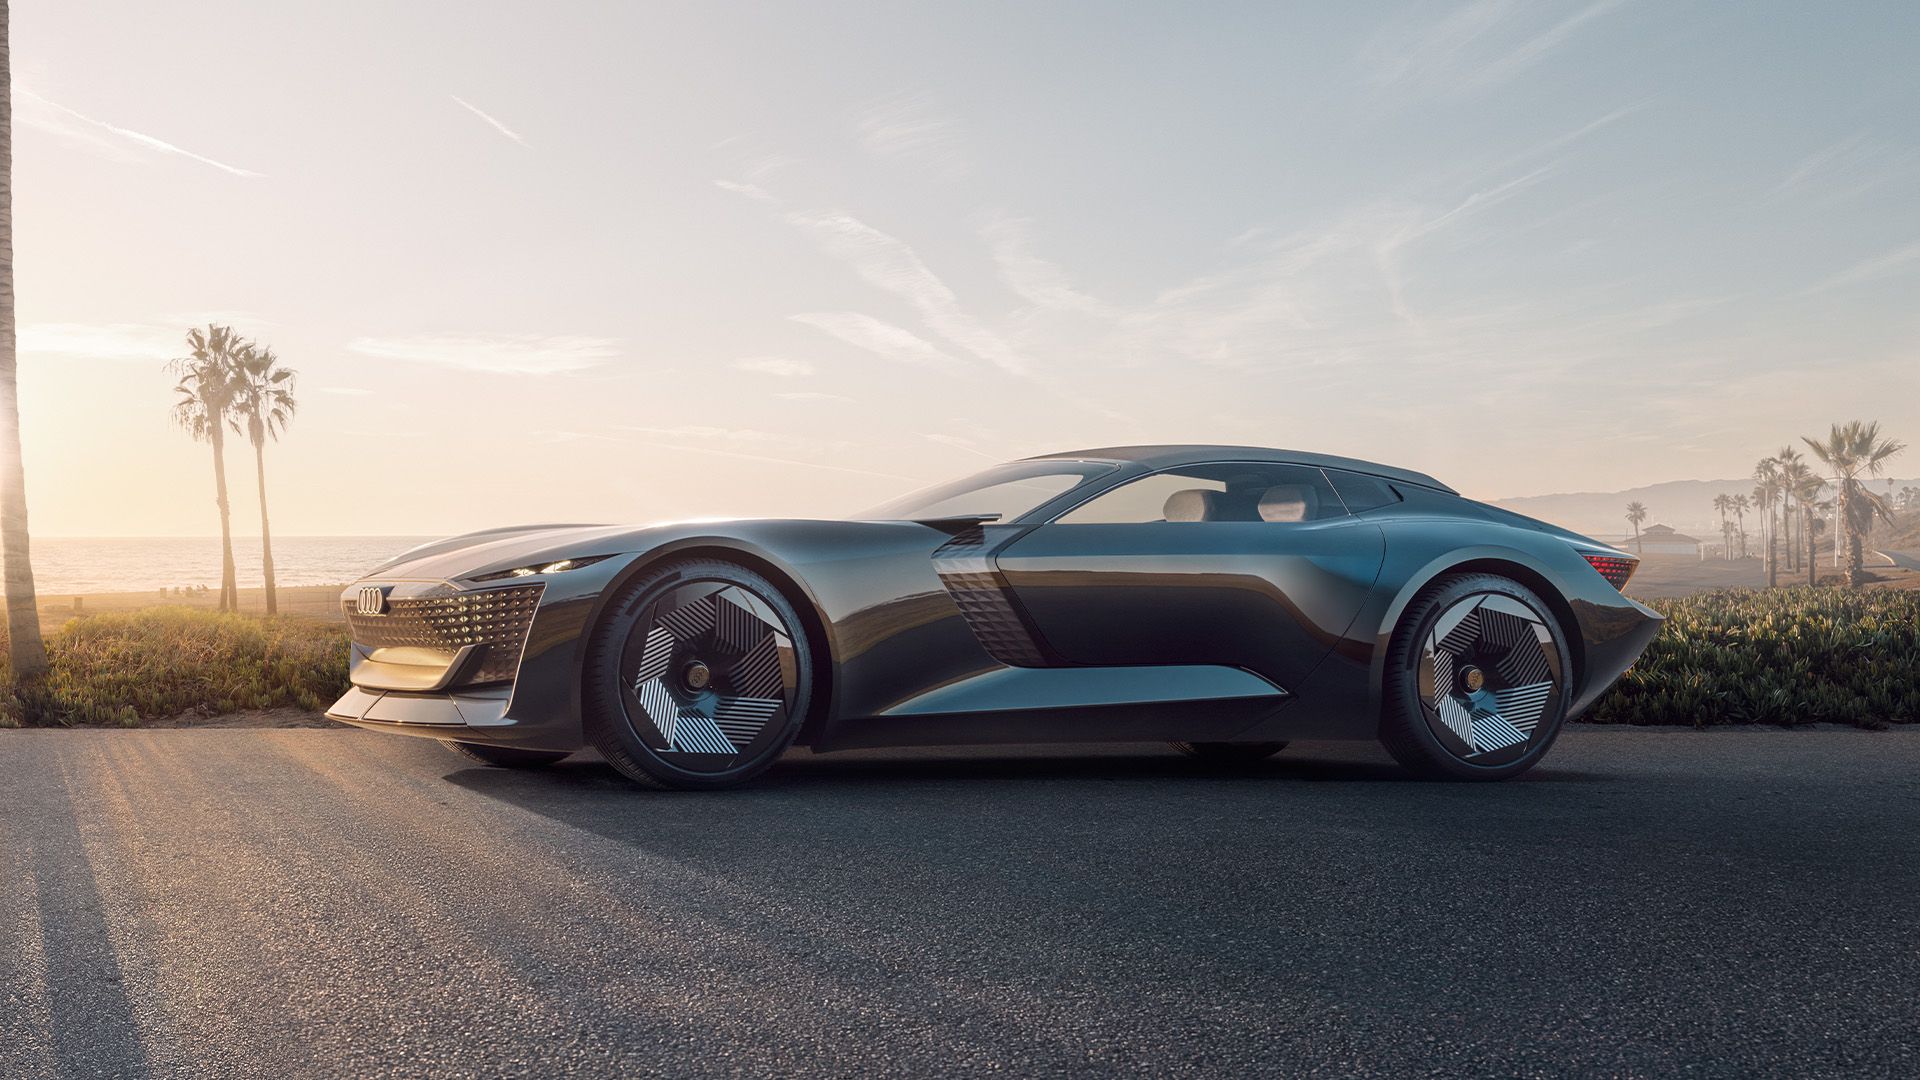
point(273, 903)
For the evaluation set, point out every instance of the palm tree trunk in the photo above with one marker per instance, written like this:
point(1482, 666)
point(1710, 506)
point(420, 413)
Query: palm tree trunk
point(1843, 520)
point(24, 647)
point(1786, 530)
point(266, 534)
point(229, 590)
point(1773, 551)
point(1806, 530)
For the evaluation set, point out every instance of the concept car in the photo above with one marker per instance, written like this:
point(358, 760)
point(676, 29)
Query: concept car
point(1224, 599)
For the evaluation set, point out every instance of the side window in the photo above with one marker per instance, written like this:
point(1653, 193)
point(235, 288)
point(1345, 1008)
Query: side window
point(1361, 492)
point(1223, 492)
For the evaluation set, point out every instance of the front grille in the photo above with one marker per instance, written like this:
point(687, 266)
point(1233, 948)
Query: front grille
point(448, 619)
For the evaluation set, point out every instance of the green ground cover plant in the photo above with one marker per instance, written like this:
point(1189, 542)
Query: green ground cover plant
point(1733, 656)
point(1781, 656)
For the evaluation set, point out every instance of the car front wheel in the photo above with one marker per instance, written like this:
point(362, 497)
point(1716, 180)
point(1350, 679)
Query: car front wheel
point(698, 676)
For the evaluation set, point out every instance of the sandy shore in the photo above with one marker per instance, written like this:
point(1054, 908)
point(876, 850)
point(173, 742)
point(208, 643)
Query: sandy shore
point(319, 601)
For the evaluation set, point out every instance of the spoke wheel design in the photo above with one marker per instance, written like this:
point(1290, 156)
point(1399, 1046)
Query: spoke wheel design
point(1489, 672)
point(709, 676)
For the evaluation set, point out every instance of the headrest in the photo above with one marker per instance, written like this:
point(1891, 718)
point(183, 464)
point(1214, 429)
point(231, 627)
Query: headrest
point(1289, 502)
point(1192, 504)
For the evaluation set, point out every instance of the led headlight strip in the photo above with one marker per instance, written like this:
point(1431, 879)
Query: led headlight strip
point(559, 567)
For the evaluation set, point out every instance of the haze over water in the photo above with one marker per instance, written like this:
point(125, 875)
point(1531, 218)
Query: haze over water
point(105, 564)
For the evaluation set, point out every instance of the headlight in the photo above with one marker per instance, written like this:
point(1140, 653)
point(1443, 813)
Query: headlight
point(560, 567)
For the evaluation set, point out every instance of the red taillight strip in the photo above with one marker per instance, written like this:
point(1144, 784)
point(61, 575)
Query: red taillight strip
point(1615, 568)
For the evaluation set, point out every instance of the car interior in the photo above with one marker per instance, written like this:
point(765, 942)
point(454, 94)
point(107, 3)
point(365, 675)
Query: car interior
point(1277, 502)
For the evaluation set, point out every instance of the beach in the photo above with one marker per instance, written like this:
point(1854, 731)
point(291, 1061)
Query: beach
point(312, 601)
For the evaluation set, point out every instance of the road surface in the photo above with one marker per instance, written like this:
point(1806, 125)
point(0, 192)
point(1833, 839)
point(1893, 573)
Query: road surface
point(335, 902)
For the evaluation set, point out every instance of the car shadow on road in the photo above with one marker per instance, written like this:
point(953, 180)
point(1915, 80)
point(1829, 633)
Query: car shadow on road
point(912, 804)
point(1000, 767)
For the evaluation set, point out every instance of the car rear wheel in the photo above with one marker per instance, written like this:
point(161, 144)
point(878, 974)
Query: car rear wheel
point(1477, 680)
point(506, 757)
point(1230, 753)
point(698, 676)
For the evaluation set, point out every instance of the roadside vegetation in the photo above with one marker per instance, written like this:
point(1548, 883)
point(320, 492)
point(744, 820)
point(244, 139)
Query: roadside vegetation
point(1785, 656)
point(1734, 656)
point(128, 669)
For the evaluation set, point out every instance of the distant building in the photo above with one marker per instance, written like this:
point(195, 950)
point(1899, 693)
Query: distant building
point(1662, 540)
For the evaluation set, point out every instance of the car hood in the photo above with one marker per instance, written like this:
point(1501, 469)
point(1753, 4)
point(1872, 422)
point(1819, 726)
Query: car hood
point(505, 549)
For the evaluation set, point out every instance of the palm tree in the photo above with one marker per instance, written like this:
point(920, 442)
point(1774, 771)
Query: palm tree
point(1740, 504)
point(1851, 449)
point(1805, 485)
point(1766, 494)
point(24, 647)
point(207, 389)
point(1724, 503)
point(263, 400)
point(1788, 459)
point(1636, 513)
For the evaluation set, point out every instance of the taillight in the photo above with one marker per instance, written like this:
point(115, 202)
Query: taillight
point(1615, 568)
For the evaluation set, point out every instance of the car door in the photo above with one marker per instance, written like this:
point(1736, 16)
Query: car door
point(1253, 565)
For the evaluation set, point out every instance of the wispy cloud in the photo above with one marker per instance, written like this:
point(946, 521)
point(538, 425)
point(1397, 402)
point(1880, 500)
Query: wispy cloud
point(773, 460)
point(110, 341)
point(908, 127)
point(507, 354)
point(1848, 167)
point(1535, 48)
point(1473, 47)
point(964, 445)
point(753, 444)
point(754, 436)
point(491, 121)
point(60, 120)
point(891, 265)
point(875, 336)
point(1031, 277)
point(778, 366)
point(745, 190)
point(246, 322)
point(1885, 265)
point(556, 437)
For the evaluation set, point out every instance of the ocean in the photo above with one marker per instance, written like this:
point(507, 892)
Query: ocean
point(105, 564)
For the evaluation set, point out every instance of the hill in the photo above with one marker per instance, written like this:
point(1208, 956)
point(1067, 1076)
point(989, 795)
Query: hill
point(1687, 505)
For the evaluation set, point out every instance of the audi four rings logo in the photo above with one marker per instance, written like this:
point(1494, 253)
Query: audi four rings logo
point(373, 600)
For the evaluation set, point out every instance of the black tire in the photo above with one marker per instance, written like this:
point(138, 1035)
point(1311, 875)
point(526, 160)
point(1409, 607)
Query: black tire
point(1229, 753)
point(698, 676)
point(1477, 681)
point(505, 757)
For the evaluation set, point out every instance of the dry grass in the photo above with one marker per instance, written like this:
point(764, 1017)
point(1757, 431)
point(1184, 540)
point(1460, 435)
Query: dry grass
point(131, 668)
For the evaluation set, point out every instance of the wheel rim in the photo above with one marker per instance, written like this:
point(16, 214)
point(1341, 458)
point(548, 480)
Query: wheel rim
point(1490, 678)
point(709, 676)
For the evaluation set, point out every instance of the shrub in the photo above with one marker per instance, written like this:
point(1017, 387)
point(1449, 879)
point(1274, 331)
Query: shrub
point(1781, 656)
point(123, 669)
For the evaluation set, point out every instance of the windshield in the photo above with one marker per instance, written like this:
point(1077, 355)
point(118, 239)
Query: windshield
point(1005, 492)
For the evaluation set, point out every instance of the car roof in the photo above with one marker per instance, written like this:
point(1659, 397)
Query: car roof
point(1171, 456)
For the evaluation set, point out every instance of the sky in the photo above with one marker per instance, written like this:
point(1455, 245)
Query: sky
point(624, 261)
